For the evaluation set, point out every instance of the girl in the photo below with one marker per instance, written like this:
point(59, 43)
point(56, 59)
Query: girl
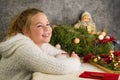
point(26, 49)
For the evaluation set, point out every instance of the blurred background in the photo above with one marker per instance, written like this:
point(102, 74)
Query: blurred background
point(105, 13)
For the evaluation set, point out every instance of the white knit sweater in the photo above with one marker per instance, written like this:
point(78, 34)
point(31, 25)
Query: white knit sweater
point(21, 57)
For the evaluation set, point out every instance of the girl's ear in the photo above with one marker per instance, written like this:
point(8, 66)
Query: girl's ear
point(25, 31)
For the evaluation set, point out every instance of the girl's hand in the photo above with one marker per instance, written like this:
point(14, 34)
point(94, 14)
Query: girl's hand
point(74, 55)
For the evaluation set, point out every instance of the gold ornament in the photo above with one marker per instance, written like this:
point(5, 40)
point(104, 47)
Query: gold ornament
point(116, 66)
point(58, 46)
point(111, 53)
point(98, 57)
point(103, 33)
point(95, 59)
point(76, 40)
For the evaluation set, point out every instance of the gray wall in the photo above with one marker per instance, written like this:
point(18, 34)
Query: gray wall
point(105, 13)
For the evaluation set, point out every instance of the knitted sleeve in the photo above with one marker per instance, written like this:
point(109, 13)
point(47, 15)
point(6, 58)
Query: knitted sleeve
point(51, 50)
point(31, 58)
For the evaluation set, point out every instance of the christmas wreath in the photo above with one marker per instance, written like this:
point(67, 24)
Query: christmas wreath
point(97, 48)
point(80, 41)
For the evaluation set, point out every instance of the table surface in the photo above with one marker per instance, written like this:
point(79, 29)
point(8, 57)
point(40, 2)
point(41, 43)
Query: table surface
point(73, 76)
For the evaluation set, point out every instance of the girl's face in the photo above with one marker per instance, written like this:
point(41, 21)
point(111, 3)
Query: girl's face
point(40, 31)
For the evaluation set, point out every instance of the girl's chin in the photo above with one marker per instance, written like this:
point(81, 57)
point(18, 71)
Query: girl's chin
point(46, 41)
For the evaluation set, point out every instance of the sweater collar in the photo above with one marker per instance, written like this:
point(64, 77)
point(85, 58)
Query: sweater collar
point(8, 47)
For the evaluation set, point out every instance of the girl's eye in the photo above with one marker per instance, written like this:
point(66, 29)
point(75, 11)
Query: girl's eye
point(39, 26)
point(48, 25)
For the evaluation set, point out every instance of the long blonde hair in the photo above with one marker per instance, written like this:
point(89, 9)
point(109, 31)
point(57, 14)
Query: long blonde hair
point(21, 21)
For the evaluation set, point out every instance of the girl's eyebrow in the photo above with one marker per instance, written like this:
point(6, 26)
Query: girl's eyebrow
point(42, 23)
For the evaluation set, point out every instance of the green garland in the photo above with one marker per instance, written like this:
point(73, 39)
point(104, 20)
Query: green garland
point(65, 35)
point(88, 46)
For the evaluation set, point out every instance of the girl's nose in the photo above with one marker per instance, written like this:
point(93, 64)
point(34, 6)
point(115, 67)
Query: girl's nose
point(47, 28)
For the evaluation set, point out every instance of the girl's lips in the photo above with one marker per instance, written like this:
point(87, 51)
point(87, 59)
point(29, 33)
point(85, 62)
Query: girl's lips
point(46, 35)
